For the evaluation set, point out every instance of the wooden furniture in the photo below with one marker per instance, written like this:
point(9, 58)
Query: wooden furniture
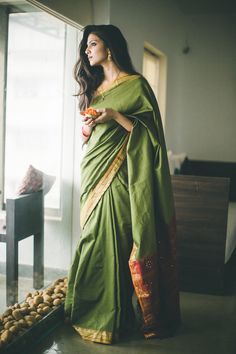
point(201, 212)
point(24, 218)
point(212, 169)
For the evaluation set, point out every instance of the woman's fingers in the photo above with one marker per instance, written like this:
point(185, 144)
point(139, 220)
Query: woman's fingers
point(85, 118)
point(90, 122)
point(101, 118)
point(101, 110)
point(105, 115)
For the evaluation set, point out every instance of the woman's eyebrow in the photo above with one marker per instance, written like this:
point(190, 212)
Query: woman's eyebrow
point(92, 40)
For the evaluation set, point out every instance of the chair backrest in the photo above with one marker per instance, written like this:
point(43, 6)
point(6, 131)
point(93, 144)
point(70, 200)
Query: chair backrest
point(25, 215)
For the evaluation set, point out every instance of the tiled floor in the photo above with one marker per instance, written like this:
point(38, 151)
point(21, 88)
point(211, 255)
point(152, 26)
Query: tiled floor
point(209, 327)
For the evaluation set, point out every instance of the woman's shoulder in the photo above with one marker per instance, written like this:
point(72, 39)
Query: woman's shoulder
point(141, 83)
point(140, 80)
point(137, 80)
point(135, 83)
point(143, 88)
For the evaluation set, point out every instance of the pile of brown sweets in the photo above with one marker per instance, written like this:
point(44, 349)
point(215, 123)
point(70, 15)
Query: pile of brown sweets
point(17, 319)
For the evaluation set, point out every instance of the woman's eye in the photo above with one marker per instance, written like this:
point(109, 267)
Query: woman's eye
point(92, 44)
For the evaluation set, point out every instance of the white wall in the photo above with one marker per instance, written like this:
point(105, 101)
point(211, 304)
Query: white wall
point(200, 112)
point(101, 12)
point(207, 107)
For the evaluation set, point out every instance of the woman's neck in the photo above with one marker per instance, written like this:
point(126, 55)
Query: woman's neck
point(111, 72)
point(112, 75)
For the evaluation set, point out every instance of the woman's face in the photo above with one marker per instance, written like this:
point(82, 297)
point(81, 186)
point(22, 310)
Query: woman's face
point(96, 51)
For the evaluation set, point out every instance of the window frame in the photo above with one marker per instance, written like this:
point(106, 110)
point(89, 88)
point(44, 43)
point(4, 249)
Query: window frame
point(5, 11)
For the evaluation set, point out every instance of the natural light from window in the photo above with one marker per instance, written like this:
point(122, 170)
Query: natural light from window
point(34, 101)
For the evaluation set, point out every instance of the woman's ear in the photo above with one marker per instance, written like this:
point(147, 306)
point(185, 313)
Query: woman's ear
point(109, 57)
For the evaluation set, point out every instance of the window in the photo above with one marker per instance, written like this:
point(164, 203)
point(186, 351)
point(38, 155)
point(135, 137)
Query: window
point(39, 126)
point(34, 99)
point(154, 70)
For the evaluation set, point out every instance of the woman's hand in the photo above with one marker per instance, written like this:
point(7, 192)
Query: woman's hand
point(88, 121)
point(86, 132)
point(106, 114)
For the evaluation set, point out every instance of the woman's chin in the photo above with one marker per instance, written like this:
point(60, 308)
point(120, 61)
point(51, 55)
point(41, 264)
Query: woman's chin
point(95, 63)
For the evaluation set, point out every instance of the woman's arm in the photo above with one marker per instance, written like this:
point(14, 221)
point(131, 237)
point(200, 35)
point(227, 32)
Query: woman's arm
point(123, 121)
point(108, 114)
point(85, 133)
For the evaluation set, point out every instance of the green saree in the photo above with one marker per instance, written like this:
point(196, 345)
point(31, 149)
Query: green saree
point(127, 244)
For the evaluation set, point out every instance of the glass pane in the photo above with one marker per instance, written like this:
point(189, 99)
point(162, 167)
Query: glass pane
point(34, 104)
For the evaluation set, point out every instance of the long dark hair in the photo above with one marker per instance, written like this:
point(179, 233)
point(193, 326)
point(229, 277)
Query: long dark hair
point(90, 77)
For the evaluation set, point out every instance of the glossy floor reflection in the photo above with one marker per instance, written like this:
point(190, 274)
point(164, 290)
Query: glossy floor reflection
point(25, 286)
point(25, 282)
point(209, 326)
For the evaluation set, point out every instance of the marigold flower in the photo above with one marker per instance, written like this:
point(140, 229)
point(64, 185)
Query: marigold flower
point(91, 113)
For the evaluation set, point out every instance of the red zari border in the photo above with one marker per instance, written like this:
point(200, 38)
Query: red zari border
point(155, 282)
point(143, 274)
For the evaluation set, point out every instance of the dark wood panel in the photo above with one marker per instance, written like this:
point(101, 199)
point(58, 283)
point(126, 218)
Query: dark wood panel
point(201, 211)
point(212, 169)
point(28, 214)
point(24, 217)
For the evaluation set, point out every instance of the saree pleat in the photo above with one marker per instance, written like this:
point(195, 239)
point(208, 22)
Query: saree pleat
point(127, 245)
point(100, 286)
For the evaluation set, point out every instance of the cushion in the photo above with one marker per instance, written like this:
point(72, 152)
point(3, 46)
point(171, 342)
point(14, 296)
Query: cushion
point(34, 181)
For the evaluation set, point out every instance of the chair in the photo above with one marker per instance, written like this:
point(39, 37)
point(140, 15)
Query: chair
point(24, 218)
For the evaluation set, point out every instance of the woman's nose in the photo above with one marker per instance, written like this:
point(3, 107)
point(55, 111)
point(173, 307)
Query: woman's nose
point(87, 51)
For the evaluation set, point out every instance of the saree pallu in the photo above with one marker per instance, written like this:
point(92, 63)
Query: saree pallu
point(128, 240)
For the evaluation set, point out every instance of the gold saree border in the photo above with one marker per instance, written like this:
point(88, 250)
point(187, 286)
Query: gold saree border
point(93, 335)
point(101, 187)
point(120, 81)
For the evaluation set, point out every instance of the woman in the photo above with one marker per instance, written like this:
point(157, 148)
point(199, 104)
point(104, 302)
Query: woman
point(124, 269)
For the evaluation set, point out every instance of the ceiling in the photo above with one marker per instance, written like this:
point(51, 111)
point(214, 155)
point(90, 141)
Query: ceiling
point(207, 6)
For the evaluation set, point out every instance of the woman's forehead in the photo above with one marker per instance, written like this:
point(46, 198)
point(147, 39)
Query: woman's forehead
point(93, 37)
